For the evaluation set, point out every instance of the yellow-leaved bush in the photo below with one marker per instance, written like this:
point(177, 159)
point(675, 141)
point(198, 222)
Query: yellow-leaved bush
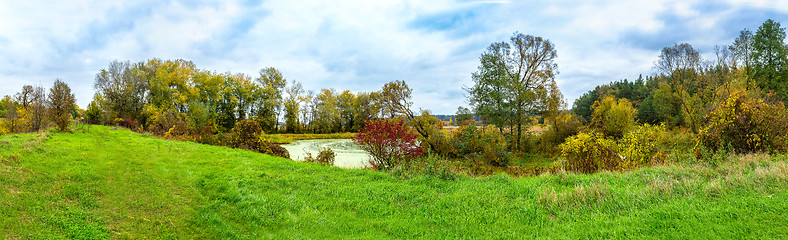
point(641, 146)
point(745, 124)
point(589, 152)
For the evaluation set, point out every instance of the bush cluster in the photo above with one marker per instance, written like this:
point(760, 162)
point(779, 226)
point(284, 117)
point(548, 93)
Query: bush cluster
point(642, 146)
point(613, 117)
point(593, 151)
point(590, 152)
point(745, 124)
point(481, 143)
point(564, 125)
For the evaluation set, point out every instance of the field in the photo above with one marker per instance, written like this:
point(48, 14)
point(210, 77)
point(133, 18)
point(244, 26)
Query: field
point(104, 183)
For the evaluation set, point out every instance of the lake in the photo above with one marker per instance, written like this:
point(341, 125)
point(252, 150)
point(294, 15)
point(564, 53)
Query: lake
point(348, 154)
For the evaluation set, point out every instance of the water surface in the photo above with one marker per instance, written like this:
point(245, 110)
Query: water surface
point(348, 154)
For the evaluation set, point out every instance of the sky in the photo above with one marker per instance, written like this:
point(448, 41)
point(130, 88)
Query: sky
point(434, 46)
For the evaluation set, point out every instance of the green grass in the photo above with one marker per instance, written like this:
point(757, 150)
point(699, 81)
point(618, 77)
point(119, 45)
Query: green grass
point(121, 185)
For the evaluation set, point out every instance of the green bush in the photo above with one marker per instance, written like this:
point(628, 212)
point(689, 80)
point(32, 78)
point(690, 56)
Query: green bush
point(746, 124)
point(276, 150)
point(325, 157)
point(591, 152)
point(432, 136)
point(486, 143)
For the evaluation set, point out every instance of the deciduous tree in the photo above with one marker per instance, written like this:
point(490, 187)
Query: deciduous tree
point(681, 63)
point(124, 89)
point(463, 115)
point(36, 111)
point(269, 101)
point(61, 103)
point(515, 80)
point(291, 107)
point(348, 108)
point(11, 121)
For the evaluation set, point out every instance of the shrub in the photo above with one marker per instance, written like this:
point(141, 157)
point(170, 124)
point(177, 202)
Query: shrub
point(247, 134)
point(486, 143)
point(325, 157)
point(432, 136)
point(746, 124)
point(279, 151)
point(563, 126)
point(613, 117)
point(118, 121)
point(205, 134)
point(589, 152)
point(641, 146)
point(390, 143)
point(93, 115)
point(3, 128)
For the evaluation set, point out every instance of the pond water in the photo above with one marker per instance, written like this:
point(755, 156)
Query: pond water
point(348, 154)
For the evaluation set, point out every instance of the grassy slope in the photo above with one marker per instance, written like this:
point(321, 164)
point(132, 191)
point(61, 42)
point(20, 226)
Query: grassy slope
point(118, 184)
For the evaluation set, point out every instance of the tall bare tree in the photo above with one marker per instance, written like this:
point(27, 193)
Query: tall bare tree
point(681, 63)
point(36, 111)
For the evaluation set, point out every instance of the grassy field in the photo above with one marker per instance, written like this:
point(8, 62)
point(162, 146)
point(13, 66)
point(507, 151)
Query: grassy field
point(117, 184)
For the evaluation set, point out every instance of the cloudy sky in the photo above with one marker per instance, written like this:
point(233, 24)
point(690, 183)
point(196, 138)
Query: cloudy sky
point(359, 45)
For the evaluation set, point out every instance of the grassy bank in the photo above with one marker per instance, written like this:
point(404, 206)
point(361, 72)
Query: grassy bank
point(287, 138)
point(107, 183)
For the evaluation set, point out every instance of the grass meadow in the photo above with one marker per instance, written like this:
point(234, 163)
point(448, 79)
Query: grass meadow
point(101, 183)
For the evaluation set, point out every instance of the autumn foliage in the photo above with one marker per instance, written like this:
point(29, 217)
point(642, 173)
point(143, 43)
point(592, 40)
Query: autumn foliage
point(247, 134)
point(390, 142)
point(746, 124)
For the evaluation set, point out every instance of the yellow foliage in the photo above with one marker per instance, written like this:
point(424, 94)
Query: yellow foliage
point(591, 152)
point(640, 146)
point(613, 117)
point(3, 128)
point(746, 124)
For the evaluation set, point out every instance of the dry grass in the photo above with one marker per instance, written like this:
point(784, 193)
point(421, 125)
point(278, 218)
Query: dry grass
point(580, 195)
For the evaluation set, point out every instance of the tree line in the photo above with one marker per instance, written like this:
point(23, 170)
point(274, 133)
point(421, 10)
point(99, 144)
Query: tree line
point(688, 87)
point(32, 109)
point(175, 96)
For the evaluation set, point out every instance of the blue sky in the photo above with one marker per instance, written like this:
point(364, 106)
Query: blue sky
point(360, 45)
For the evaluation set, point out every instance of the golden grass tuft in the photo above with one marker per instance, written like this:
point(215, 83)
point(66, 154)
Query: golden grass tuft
point(581, 195)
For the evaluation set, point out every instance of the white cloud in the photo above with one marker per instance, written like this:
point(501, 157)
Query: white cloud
point(357, 45)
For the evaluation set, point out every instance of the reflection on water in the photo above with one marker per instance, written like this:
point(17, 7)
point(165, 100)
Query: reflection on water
point(348, 154)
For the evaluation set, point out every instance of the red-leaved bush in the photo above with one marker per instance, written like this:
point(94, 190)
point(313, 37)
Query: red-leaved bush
point(390, 143)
